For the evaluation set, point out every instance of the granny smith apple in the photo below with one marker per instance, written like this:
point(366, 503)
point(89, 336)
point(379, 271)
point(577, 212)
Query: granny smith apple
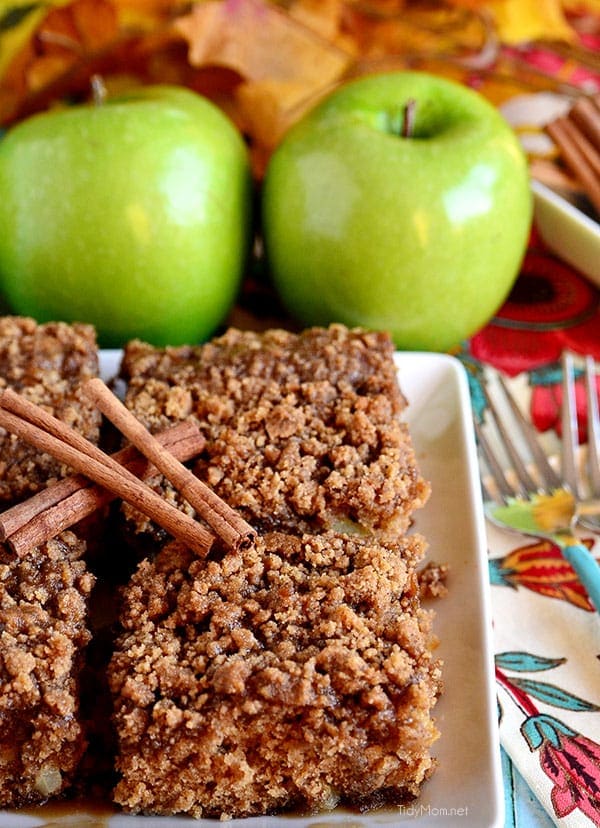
point(133, 214)
point(401, 202)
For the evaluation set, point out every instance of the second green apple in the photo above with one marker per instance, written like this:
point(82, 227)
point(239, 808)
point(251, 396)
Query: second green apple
point(417, 229)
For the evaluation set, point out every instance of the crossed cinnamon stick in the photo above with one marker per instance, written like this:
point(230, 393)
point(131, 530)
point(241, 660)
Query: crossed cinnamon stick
point(68, 501)
point(225, 521)
point(75, 497)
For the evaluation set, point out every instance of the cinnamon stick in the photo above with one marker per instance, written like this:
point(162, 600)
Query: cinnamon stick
point(568, 138)
point(69, 500)
point(225, 521)
point(586, 114)
point(180, 438)
point(34, 425)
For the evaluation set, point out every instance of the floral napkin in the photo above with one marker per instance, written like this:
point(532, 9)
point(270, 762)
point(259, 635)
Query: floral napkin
point(546, 632)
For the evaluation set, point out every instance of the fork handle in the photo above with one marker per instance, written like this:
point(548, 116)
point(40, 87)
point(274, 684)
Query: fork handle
point(586, 567)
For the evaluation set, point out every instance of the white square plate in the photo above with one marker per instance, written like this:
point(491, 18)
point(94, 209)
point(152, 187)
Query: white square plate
point(465, 790)
point(567, 231)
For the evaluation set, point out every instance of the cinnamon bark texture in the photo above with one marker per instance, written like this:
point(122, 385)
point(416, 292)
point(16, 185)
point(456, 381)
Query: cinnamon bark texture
point(35, 426)
point(66, 502)
point(233, 530)
point(577, 136)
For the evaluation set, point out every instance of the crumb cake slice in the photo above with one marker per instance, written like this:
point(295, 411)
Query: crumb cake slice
point(303, 430)
point(295, 675)
point(43, 633)
point(46, 363)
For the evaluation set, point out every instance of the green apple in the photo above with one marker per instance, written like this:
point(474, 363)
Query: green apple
point(418, 230)
point(133, 215)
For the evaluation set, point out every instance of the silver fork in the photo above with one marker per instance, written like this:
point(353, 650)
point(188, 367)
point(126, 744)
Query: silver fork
point(586, 492)
point(532, 499)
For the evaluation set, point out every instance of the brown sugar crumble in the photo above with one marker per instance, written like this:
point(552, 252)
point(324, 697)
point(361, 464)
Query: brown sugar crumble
point(44, 594)
point(43, 632)
point(303, 430)
point(46, 363)
point(432, 580)
point(297, 674)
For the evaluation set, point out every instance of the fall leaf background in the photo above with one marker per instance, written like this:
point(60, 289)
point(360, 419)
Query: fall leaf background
point(264, 62)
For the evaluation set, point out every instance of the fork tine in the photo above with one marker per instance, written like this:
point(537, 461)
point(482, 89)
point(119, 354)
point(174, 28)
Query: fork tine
point(549, 477)
point(593, 426)
point(495, 468)
point(525, 482)
point(569, 441)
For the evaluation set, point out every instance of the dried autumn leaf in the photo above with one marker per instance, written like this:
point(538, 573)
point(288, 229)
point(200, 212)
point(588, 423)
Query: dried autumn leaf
point(266, 109)
point(18, 21)
point(442, 28)
point(261, 42)
point(97, 23)
point(281, 62)
point(582, 6)
point(42, 42)
point(325, 17)
point(262, 61)
point(67, 34)
point(522, 21)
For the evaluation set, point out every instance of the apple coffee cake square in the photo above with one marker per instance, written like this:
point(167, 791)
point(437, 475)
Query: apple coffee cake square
point(304, 430)
point(296, 674)
point(43, 634)
point(45, 363)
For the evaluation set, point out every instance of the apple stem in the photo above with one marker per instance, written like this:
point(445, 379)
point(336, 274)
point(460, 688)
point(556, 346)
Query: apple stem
point(98, 90)
point(408, 119)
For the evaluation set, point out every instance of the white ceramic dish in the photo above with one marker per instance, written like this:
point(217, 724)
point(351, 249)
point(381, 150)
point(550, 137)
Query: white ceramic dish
point(465, 791)
point(567, 231)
